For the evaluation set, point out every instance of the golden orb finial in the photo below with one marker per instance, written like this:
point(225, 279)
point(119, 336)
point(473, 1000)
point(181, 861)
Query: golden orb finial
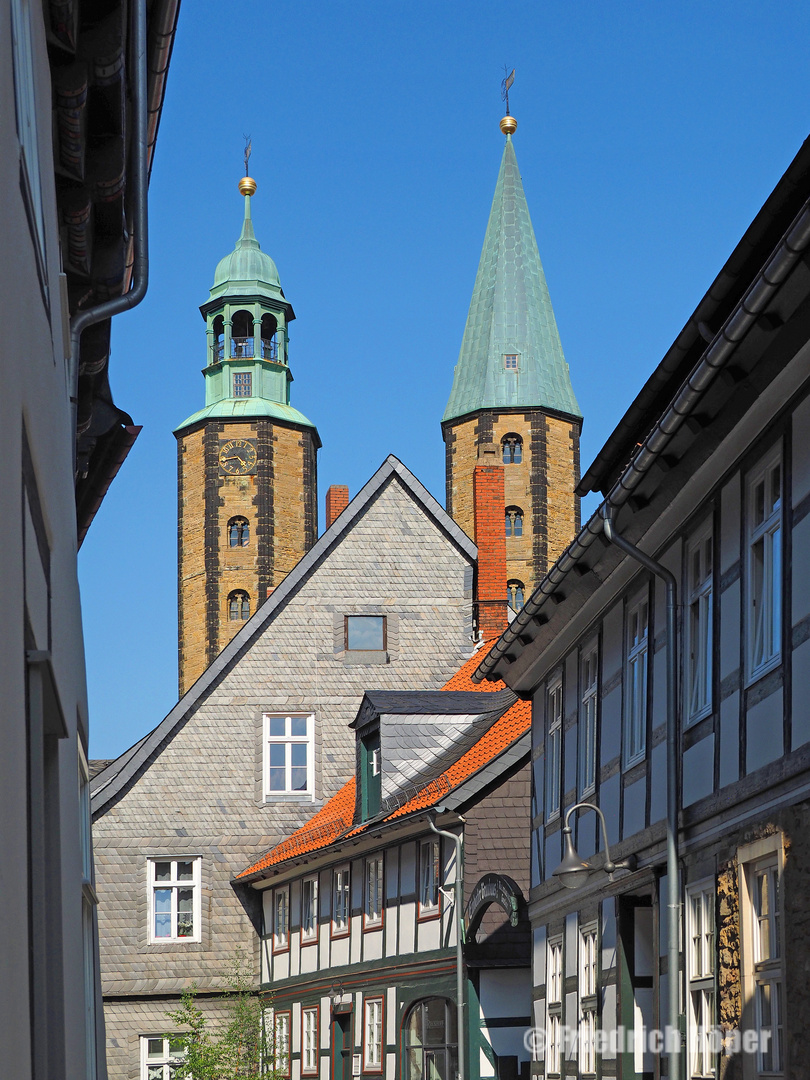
point(247, 186)
point(508, 125)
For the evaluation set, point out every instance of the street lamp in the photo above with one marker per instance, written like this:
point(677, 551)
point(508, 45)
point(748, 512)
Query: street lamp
point(572, 871)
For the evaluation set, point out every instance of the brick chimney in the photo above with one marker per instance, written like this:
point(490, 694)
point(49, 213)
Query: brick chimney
point(337, 499)
point(490, 538)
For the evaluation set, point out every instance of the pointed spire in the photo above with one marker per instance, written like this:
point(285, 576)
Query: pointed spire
point(247, 237)
point(510, 314)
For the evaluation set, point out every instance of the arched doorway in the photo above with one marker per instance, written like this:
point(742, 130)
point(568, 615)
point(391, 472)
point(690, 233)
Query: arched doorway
point(430, 1040)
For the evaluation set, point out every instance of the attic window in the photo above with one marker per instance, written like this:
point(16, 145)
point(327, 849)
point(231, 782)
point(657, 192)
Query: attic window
point(365, 633)
point(510, 361)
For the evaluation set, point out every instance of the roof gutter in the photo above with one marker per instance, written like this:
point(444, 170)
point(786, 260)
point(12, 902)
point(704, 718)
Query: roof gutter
point(769, 279)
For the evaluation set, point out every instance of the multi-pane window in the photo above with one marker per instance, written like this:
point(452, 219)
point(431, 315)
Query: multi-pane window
point(242, 383)
point(281, 918)
point(635, 698)
point(174, 899)
point(238, 532)
point(365, 633)
point(700, 975)
point(589, 686)
point(698, 651)
point(515, 594)
point(372, 1035)
point(374, 890)
point(309, 1040)
point(510, 361)
point(288, 756)
point(554, 718)
point(514, 521)
point(768, 964)
point(238, 605)
point(587, 1000)
point(160, 1058)
point(309, 908)
point(281, 1042)
point(429, 877)
point(764, 520)
point(512, 446)
point(340, 900)
point(554, 992)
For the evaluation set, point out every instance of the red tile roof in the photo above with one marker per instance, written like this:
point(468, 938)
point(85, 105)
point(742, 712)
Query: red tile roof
point(335, 818)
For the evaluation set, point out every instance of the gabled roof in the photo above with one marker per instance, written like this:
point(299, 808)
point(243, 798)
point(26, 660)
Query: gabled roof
point(111, 780)
point(492, 755)
point(510, 312)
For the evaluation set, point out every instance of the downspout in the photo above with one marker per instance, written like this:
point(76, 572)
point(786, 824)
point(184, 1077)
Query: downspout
point(672, 1040)
point(459, 901)
point(138, 187)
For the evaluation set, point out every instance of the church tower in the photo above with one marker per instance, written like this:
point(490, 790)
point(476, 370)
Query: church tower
point(246, 462)
point(512, 404)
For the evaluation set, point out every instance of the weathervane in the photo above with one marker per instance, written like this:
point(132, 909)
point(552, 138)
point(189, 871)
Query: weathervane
point(506, 85)
point(249, 144)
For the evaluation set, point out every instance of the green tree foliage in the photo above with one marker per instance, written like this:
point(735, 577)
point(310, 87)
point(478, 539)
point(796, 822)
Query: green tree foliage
point(238, 1047)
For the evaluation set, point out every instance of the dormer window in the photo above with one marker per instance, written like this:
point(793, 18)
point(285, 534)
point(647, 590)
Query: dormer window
point(371, 778)
point(510, 361)
point(242, 383)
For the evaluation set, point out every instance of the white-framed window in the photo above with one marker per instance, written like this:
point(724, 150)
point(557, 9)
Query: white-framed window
point(281, 1041)
point(588, 701)
point(373, 899)
point(700, 977)
point(430, 877)
point(372, 1035)
point(764, 533)
point(309, 1040)
point(637, 626)
point(698, 625)
point(289, 765)
point(340, 900)
point(554, 718)
point(588, 959)
point(376, 761)
point(174, 899)
point(554, 996)
point(160, 1057)
point(281, 918)
point(309, 908)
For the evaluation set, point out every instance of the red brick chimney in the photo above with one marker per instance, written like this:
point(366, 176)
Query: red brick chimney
point(337, 499)
point(489, 503)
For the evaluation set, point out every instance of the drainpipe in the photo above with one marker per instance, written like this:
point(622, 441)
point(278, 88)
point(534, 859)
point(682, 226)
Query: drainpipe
point(138, 187)
point(673, 1041)
point(459, 901)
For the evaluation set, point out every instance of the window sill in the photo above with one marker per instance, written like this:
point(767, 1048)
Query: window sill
point(370, 656)
point(762, 671)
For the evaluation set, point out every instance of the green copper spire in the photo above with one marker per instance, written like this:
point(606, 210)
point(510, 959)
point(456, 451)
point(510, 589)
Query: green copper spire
point(511, 354)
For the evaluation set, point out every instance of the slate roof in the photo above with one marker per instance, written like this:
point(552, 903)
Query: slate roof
point(504, 742)
point(112, 779)
point(510, 312)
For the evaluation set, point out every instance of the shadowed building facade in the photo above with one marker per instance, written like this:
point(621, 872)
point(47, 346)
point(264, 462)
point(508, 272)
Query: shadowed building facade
point(246, 462)
point(512, 402)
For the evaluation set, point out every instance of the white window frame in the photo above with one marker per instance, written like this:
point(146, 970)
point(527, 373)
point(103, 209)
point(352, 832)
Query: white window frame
point(764, 596)
point(701, 964)
point(373, 1035)
point(588, 717)
point(634, 713)
point(373, 892)
point(289, 740)
point(341, 900)
point(281, 918)
point(554, 1000)
point(430, 878)
point(282, 1026)
point(309, 931)
point(175, 884)
point(698, 624)
point(758, 971)
point(588, 986)
point(164, 1061)
point(309, 1040)
point(555, 708)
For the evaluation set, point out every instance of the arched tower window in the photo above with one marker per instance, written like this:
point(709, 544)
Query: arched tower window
point(242, 334)
point(269, 342)
point(219, 340)
point(512, 446)
point(431, 1039)
point(514, 594)
point(238, 605)
point(238, 532)
point(514, 521)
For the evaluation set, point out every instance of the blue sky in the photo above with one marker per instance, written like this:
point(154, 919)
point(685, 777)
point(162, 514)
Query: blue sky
point(649, 136)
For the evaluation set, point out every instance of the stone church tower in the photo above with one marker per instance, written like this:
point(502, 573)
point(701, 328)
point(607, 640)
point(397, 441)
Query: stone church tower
point(246, 462)
point(512, 404)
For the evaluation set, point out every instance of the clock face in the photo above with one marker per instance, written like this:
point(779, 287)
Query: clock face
point(237, 457)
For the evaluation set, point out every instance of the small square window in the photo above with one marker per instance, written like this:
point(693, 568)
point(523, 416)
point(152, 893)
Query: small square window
point(510, 361)
point(365, 633)
point(242, 383)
